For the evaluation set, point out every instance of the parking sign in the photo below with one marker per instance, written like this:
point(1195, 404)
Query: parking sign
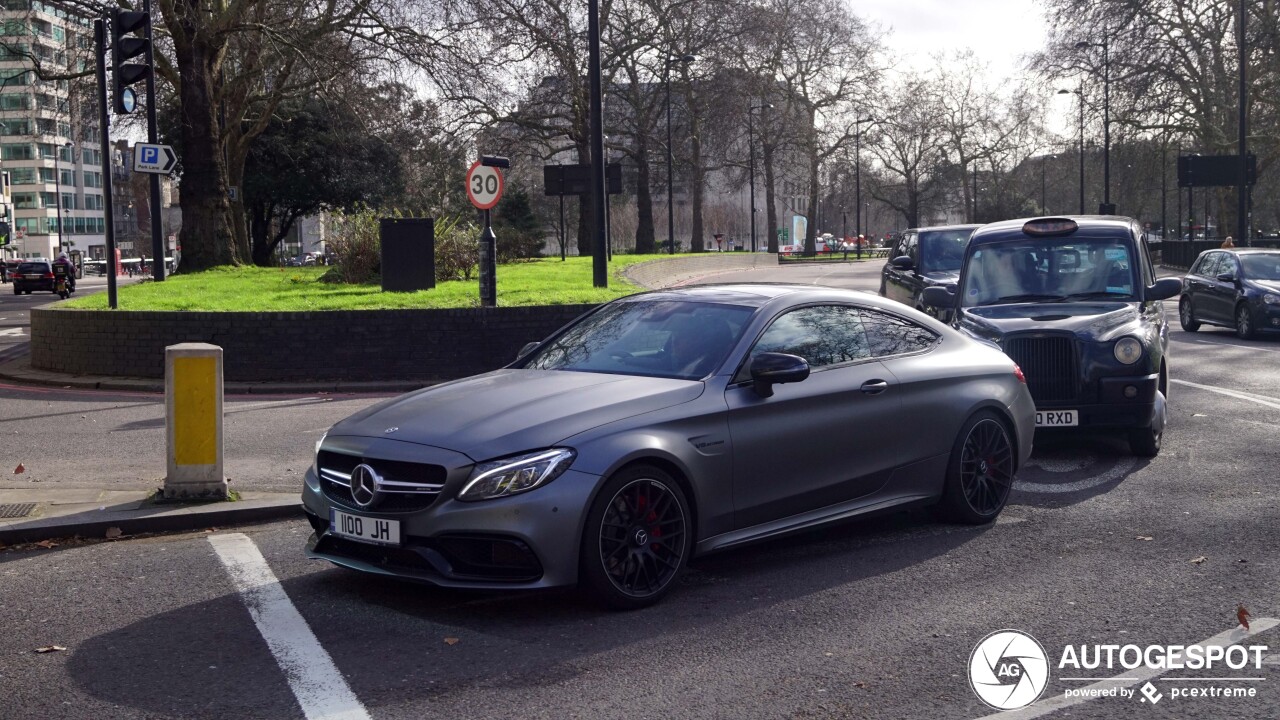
point(158, 159)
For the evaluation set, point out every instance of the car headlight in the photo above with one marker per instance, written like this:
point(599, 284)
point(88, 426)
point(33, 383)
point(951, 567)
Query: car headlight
point(1128, 350)
point(1271, 299)
point(512, 475)
point(315, 463)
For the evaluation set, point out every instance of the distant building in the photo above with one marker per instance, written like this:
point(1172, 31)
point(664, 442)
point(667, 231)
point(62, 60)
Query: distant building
point(48, 132)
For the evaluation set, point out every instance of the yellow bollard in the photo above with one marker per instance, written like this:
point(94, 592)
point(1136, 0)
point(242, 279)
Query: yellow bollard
point(193, 422)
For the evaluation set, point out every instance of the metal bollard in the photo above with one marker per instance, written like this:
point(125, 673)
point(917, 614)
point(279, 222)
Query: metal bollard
point(193, 422)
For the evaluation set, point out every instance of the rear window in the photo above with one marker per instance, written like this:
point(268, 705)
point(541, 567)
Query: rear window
point(33, 267)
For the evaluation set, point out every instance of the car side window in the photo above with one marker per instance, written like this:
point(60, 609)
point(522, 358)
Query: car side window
point(1197, 268)
point(913, 248)
point(1229, 265)
point(821, 334)
point(1211, 265)
point(891, 335)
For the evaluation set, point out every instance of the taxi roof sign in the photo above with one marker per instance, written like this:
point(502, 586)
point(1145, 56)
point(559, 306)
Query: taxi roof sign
point(1050, 226)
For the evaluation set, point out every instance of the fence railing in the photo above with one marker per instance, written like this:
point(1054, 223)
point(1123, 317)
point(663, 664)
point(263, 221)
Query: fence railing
point(1181, 253)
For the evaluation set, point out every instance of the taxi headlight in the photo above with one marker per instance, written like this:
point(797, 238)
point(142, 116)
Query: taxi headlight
point(1128, 350)
point(517, 474)
point(1271, 299)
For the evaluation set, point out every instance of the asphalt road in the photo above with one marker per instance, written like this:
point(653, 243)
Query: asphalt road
point(875, 620)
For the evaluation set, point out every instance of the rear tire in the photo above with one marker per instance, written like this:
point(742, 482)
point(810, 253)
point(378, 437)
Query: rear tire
point(1186, 316)
point(979, 472)
point(1244, 322)
point(637, 539)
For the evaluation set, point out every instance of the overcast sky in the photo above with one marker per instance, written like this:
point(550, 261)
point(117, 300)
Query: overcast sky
point(998, 31)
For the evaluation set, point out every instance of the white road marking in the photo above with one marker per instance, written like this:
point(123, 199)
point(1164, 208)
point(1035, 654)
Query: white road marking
point(1259, 399)
point(11, 331)
point(270, 403)
point(1219, 344)
point(316, 682)
point(1130, 678)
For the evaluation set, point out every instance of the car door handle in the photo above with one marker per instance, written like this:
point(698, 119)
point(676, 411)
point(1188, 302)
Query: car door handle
point(874, 387)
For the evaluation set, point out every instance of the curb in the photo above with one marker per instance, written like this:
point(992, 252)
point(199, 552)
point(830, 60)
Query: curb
point(157, 523)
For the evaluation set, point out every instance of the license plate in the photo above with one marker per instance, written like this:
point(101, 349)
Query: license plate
point(1056, 418)
point(34, 277)
point(364, 529)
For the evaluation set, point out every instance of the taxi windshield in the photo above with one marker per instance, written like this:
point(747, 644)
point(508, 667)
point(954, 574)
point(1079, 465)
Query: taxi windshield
point(1064, 269)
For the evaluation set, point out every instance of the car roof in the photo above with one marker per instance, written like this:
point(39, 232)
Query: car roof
point(760, 294)
point(930, 228)
point(1088, 226)
point(1247, 251)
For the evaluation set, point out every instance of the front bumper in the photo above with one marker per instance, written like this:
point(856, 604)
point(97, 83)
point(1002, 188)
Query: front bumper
point(526, 541)
point(1114, 409)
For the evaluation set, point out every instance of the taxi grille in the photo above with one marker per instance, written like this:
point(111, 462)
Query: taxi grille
point(404, 486)
point(1049, 363)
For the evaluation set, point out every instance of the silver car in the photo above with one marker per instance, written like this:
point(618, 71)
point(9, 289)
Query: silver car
point(665, 425)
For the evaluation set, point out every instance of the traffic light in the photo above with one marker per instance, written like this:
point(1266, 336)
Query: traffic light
point(126, 45)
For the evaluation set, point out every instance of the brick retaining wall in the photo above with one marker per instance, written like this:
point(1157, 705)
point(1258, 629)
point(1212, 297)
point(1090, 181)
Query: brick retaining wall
point(349, 345)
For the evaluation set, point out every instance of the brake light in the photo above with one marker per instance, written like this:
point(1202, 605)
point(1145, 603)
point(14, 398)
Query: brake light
point(48, 276)
point(1017, 372)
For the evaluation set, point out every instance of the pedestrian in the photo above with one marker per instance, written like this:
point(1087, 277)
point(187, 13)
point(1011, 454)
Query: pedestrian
point(1228, 243)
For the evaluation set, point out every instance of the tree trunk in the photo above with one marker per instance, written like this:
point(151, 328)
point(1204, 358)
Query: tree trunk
point(771, 206)
point(205, 239)
point(645, 242)
point(260, 229)
point(811, 227)
point(697, 183)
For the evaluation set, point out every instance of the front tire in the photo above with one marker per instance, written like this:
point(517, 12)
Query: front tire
point(1186, 316)
point(1244, 322)
point(1146, 441)
point(979, 472)
point(637, 540)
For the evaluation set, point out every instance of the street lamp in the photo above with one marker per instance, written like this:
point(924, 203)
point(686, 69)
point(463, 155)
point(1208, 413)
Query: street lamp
point(1080, 92)
point(57, 185)
point(751, 164)
point(671, 216)
point(1106, 208)
point(857, 179)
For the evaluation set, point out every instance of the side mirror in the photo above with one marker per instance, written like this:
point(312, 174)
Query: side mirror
point(768, 369)
point(528, 348)
point(942, 298)
point(902, 262)
point(1164, 289)
point(1226, 277)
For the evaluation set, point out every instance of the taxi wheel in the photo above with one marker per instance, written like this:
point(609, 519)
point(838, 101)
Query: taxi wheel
point(1145, 442)
point(1244, 322)
point(1186, 317)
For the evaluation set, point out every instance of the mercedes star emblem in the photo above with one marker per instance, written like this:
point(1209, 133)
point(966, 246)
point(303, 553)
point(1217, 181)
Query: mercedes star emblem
point(390, 430)
point(365, 486)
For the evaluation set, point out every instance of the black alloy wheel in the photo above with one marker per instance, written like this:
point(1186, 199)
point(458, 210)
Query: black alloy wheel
point(1186, 317)
point(637, 539)
point(980, 471)
point(1244, 322)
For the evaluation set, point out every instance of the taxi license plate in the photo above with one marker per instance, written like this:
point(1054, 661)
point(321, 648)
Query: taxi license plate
point(1056, 418)
point(364, 529)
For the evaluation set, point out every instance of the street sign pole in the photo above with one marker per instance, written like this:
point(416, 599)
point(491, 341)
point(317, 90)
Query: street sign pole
point(484, 189)
point(157, 237)
point(104, 138)
point(488, 265)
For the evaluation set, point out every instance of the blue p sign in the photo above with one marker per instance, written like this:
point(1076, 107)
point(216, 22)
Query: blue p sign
point(150, 155)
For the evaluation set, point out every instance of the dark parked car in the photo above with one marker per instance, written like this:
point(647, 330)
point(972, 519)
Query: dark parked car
point(1076, 303)
point(921, 258)
point(33, 275)
point(669, 424)
point(1234, 288)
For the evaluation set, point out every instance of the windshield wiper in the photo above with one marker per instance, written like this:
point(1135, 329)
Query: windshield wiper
point(1098, 294)
point(1030, 297)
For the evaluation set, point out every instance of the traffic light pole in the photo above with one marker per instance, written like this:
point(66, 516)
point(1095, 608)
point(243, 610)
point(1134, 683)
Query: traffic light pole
point(157, 232)
point(104, 138)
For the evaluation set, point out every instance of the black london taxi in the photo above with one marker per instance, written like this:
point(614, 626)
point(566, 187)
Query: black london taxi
point(921, 258)
point(1076, 303)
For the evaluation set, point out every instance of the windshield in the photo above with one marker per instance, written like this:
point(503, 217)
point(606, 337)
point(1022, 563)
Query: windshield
point(662, 338)
point(1049, 270)
point(943, 250)
point(1263, 266)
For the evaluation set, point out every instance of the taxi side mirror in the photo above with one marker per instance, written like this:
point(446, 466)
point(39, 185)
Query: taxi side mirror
point(902, 262)
point(1164, 289)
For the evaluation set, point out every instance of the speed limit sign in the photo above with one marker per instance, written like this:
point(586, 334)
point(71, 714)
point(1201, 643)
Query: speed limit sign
point(484, 185)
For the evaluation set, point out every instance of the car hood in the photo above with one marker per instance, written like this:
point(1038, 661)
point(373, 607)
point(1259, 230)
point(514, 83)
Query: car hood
point(1267, 285)
point(1090, 321)
point(513, 410)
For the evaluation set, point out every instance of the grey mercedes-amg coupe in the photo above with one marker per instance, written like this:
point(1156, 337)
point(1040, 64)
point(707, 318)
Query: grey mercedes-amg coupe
point(666, 425)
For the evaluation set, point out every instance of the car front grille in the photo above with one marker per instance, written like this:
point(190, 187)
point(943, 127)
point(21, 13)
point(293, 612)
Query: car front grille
point(403, 486)
point(1049, 364)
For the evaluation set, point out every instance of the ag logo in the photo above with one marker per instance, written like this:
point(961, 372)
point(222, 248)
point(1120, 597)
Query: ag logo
point(1008, 670)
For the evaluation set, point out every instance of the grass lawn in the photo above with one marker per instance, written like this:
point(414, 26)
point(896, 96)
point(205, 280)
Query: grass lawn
point(541, 282)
